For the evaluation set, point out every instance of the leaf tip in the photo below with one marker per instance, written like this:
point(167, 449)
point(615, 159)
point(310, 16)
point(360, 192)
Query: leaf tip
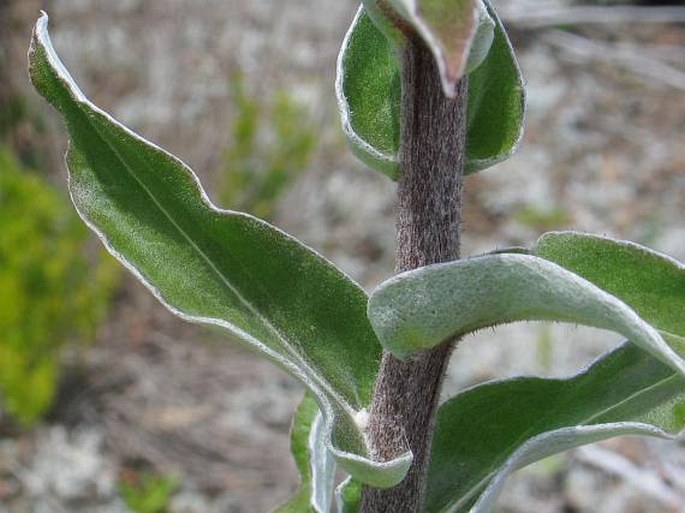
point(450, 37)
point(39, 42)
point(39, 30)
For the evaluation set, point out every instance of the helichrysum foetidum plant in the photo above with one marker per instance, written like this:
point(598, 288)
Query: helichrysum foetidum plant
point(268, 290)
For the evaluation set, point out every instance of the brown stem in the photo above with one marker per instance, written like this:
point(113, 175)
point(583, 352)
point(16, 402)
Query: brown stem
point(428, 221)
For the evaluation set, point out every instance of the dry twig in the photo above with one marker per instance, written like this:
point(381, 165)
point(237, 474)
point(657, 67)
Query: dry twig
point(523, 16)
point(629, 59)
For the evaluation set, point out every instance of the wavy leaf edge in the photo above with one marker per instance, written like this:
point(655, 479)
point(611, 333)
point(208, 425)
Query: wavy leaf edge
point(481, 496)
point(379, 474)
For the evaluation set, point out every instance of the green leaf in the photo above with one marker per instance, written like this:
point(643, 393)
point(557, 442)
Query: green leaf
point(497, 104)
point(220, 267)
point(422, 308)
point(652, 283)
point(368, 92)
point(314, 462)
point(523, 420)
point(149, 493)
point(348, 496)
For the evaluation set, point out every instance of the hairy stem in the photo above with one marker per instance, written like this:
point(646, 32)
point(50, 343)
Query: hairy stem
point(428, 221)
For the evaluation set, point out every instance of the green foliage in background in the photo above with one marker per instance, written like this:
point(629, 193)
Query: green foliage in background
point(50, 293)
point(148, 493)
point(12, 112)
point(256, 173)
point(542, 219)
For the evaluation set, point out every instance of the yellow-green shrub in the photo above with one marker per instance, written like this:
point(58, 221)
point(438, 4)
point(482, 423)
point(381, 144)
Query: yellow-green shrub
point(50, 292)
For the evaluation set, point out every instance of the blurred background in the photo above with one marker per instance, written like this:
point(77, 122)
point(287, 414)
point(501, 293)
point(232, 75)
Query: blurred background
point(111, 405)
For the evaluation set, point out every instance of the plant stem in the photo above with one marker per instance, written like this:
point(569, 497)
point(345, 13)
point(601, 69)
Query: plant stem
point(432, 153)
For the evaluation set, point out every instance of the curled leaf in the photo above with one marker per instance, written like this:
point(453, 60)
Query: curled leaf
point(583, 278)
point(482, 40)
point(420, 309)
point(368, 92)
point(314, 462)
point(497, 104)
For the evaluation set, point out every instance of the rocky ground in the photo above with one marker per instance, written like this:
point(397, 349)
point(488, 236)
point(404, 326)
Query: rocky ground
point(603, 153)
